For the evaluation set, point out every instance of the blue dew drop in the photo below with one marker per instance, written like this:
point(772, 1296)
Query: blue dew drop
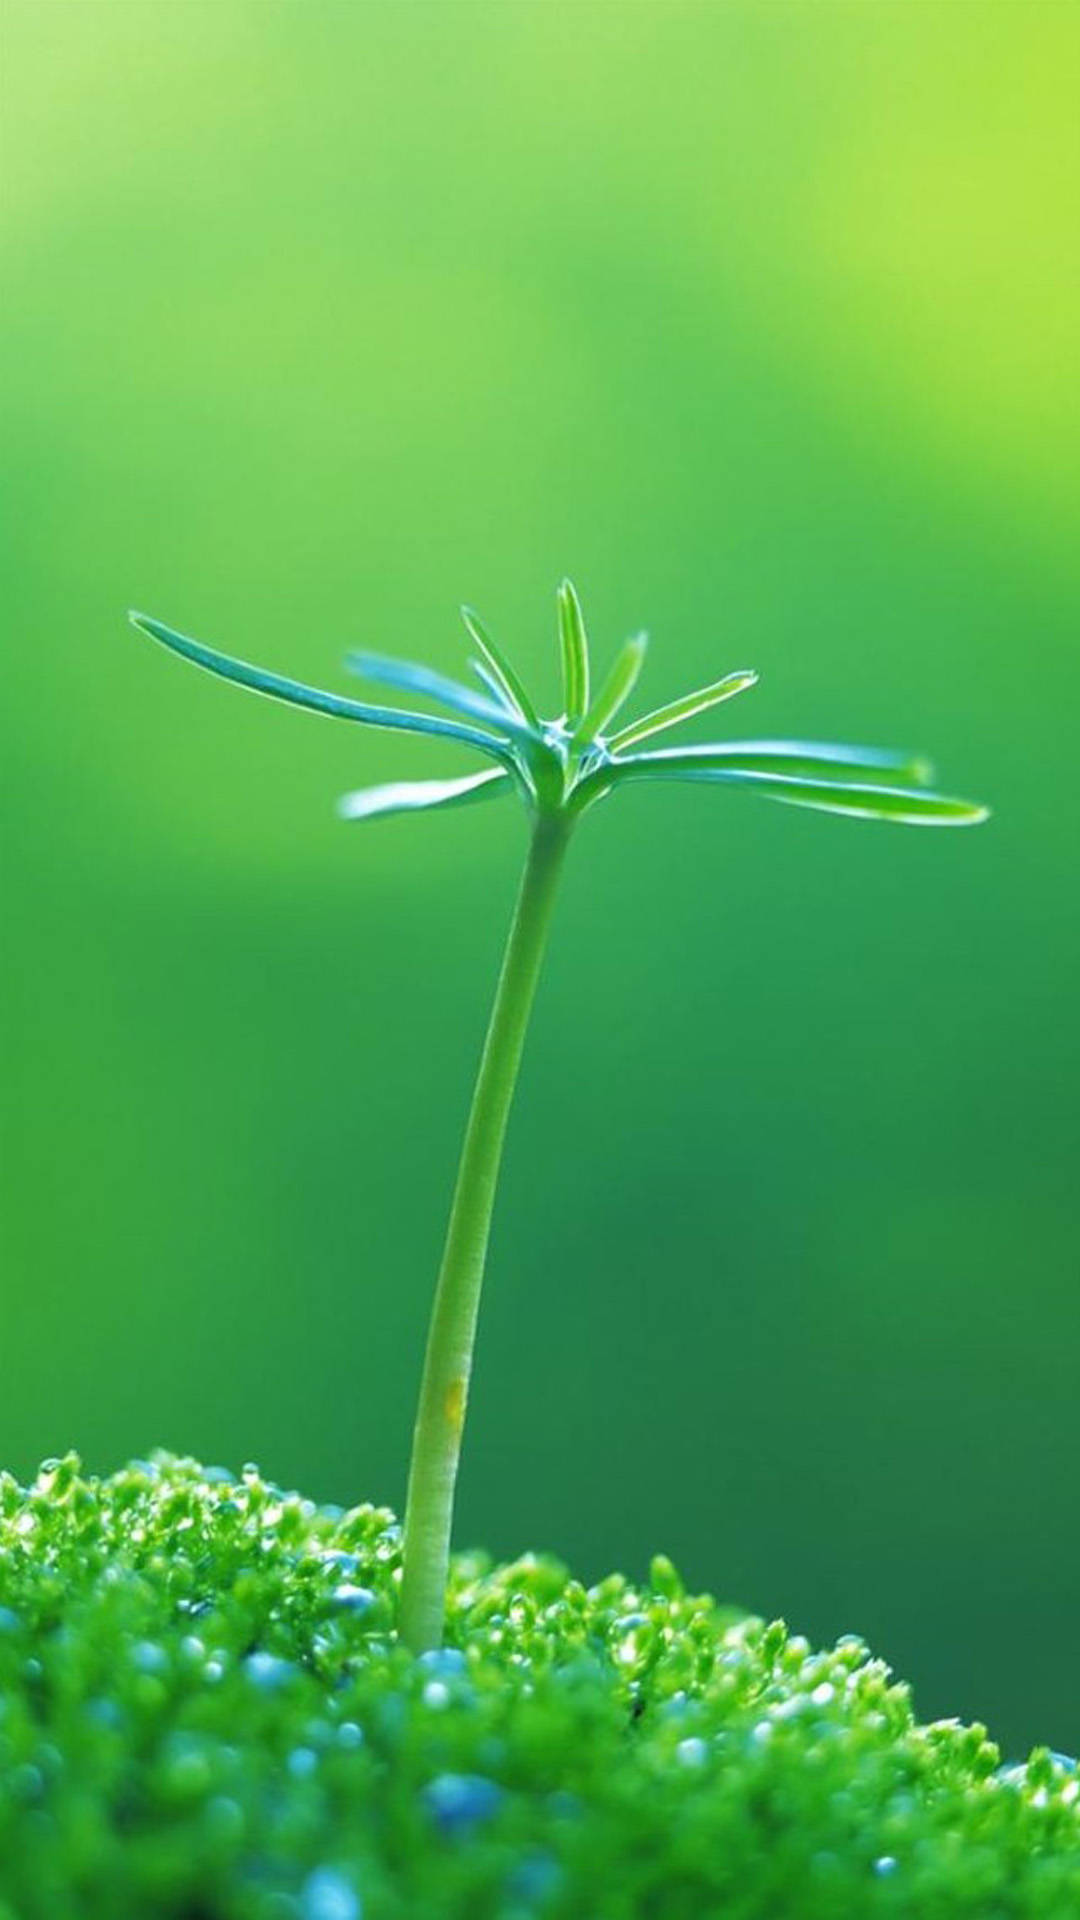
point(444, 1663)
point(348, 1598)
point(328, 1895)
point(457, 1802)
point(268, 1671)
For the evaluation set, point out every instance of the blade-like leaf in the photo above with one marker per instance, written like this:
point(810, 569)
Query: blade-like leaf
point(616, 689)
point(804, 759)
point(499, 666)
point(494, 687)
point(276, 687)
point(907, 806)
point(435, 686)
point(415, 796)
point(575, 653)
point(684, 709)
point(911, 806)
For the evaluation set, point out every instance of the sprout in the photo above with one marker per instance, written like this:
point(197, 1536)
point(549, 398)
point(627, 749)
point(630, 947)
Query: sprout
point(558, 768)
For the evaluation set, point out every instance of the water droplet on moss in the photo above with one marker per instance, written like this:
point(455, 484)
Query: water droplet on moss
point(443, 1661)
point(350, 1599)
point(460, 1801)
point(187, 1770)
point(535, 1877)
point(328, 1895)
point(225, 1817)
point(268, 1671)
point(149, 1658)
point(25, 1784)
point(337, 1557)
point(105, 1713)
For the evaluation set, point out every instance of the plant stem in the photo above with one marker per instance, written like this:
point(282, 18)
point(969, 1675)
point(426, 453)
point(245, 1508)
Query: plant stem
point(444, 1389)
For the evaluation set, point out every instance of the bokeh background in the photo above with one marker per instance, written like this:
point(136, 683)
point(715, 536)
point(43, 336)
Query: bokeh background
point(761, 321)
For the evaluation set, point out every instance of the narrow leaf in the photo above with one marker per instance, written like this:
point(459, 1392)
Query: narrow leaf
point(295, 693)
point(616, 689)
point(498, 665)
point(575, 653)
point(804, 759)
point(911, 806)
point(435, 686)
point(494, 687)
point(415, 796)
point(908, 806)
point(684, 709)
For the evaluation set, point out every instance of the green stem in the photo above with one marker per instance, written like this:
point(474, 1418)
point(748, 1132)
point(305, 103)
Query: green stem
point(444, 1390)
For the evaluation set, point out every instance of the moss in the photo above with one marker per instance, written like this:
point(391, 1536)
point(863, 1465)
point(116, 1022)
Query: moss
point(204, 1715)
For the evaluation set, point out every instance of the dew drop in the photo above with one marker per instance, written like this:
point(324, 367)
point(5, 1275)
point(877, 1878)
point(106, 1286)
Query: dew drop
point(327, 1895)
point(268, 1672)
point(350, 1599)
point(459, 1801)
point(443, 1661)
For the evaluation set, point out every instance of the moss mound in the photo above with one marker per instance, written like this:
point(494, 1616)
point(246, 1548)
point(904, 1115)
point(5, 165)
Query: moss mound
point(204, 1715)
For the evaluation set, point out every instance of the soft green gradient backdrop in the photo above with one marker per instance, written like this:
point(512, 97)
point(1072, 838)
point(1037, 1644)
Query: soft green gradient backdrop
point(761, 321)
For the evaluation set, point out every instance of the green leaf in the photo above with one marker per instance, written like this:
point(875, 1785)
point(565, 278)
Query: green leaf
point(684, 709)
point(499, 667)
point(911, 806)
point(415, 796)
point(805, 759)
point(616, 689)
point(575, 653)
point(435, 686)
point(276, 687)
point(907, 806)
point(494, 688)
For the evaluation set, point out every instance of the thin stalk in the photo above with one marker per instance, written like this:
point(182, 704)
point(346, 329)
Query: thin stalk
point(444, 1389)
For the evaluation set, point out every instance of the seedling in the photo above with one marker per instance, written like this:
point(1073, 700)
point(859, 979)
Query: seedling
point(558, 768)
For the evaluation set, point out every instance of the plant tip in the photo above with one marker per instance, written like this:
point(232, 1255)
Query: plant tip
point(558, 767)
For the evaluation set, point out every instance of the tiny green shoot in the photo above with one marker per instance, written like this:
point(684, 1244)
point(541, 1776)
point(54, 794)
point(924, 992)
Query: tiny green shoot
point(559, 768)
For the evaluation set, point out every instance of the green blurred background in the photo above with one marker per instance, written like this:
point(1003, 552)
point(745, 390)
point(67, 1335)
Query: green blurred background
point(761, 321)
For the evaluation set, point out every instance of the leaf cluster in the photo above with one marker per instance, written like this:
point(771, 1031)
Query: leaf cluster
point(565, 764)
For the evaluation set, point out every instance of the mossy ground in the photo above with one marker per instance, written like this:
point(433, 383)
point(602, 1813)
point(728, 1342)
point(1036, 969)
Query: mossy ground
point(204, 1716)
